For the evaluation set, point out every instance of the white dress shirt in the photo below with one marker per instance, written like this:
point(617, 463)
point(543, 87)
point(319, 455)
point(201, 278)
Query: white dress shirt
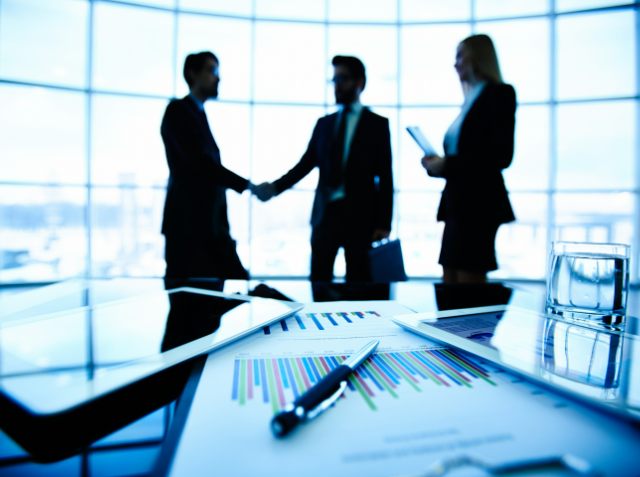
point(353, 117)
point(453, 133)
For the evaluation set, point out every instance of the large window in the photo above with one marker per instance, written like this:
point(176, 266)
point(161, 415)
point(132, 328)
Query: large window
point(84, 84)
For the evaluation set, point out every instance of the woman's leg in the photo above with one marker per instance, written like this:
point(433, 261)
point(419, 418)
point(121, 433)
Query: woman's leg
point(449, 275)
point(471, 277)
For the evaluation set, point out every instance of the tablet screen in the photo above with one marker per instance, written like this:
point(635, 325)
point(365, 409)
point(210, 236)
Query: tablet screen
point(52, 363)
point(580, 354)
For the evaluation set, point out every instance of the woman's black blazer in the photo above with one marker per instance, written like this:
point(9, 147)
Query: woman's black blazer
point(475, 188)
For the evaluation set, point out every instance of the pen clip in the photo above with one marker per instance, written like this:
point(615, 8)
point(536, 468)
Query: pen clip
point(313, 413)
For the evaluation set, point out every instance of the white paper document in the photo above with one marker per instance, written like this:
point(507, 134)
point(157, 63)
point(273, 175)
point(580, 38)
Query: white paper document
point(411, 403)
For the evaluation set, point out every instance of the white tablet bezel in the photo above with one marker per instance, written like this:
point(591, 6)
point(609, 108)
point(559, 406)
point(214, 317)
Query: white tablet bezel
point(415, 323)
point(112, 379)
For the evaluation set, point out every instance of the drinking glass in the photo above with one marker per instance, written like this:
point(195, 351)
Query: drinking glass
point(589, 283)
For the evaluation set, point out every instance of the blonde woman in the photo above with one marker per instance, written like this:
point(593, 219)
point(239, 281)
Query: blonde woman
point(478, 145)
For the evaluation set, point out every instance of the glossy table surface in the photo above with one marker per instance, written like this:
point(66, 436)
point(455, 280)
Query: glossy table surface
point(134, 449)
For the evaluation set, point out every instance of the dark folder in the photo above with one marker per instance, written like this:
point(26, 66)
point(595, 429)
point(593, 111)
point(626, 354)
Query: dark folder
point(386, 262)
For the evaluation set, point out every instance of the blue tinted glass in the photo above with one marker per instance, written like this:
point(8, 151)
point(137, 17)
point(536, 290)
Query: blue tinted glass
point(125, 232)
point(130, 461)
point(596, 55)
point(237, 7)
point(596, 145)
point(363, 10)
point(44, 42)
point(151, 427)
point(42, 135)
point(280, 138)
point(434, 10)
point(229, 40)
point(280, 234)
point(523, 53)
point(420, 232)
point(521, 246)
point(129, 58)
point(569, 5)
point(43, 235)
point(377, 48)
point(156, 3)
point(231, 128)
point(67, 468)
point(530, 167)
point(427, 75)
point(509, 8)
point(594, 217)
point(8, 448)
point(291, 9)
point(286, 70)
point(126, 146)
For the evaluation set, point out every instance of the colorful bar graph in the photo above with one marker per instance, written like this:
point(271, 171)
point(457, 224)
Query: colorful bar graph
point(317, 324)
point(283, 380)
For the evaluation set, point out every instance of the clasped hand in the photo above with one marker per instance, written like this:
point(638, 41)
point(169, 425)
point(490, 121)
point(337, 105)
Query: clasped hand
point(264, 191)
point(434, 165)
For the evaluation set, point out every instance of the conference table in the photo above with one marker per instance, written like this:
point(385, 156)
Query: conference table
point(140, 441)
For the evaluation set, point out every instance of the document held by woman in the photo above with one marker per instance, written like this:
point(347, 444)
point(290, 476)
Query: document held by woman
point(423, 142)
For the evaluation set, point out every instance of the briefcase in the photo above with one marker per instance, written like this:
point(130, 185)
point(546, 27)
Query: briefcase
point(386, 262)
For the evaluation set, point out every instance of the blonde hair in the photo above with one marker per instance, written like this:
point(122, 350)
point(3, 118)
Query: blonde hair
point(484, 58)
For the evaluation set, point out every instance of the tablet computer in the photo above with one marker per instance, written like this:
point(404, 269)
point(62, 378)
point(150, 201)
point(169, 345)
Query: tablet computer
point(598, 367)
point(54, 364)
point(421, 140)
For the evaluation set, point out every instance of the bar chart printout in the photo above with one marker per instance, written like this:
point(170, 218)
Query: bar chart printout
point(320, 321)
point(278, 381)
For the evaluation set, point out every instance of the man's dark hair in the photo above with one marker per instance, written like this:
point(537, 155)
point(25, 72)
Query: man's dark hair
point(353, 64)
point(195, 62)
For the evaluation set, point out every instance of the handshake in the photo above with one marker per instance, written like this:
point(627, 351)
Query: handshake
point(264, 191)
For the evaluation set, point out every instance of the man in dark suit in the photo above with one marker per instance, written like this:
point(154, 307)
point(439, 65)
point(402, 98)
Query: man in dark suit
point(195, 224)
point(354, 199)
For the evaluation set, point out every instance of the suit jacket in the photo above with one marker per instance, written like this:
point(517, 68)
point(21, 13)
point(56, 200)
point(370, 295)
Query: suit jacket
point(196, 205)
point(368, 179)
point(475, 188)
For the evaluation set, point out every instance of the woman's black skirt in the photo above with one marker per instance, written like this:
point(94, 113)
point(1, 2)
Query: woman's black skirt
point(469, 246)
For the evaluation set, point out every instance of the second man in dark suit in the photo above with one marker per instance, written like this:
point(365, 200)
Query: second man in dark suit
point(354, 198)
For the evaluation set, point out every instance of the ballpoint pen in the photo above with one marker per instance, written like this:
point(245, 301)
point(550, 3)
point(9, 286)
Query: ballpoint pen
point(321, 396)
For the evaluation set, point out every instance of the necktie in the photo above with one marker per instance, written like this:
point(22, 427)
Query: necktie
point(337, 150)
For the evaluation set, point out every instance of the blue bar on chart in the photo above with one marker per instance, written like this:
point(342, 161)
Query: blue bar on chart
point(331, 320)
point(316, 321)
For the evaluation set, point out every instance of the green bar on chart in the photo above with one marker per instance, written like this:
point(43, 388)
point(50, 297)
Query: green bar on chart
point(400, 372)
point(363, 393)
point(379, 378)
point(272, 387)
point(243, 373)
point(296, 373)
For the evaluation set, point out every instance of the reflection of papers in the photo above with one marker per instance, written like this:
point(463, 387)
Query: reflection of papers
point(423, 142)
point(478, 328)
point(399, 426)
